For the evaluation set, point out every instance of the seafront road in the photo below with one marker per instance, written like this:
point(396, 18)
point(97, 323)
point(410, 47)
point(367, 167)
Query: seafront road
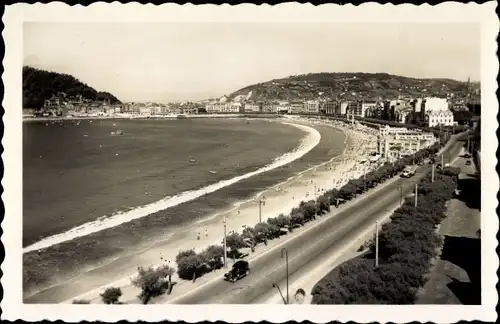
point(331, 232)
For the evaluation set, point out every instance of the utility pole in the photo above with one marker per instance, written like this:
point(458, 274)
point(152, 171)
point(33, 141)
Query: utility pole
point(432, 173)
point(416, 194)
point(261, 202)
point(442, 160)
point(225, 241)
point(376, 244)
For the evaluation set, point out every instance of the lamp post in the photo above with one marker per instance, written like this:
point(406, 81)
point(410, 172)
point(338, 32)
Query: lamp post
point(400, 195)
point(225, 241)
point(281, 294)
point(376, 244)
point(416, 194)
point(262, 202)
point(432, 173)
point(284, 253)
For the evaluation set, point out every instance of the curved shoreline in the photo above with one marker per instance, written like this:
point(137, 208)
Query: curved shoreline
point(170, 244)
point(130, 291)
point(308, 142)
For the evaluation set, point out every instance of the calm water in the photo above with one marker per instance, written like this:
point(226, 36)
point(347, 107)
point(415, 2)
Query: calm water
point(80, 178)
point(77, 173)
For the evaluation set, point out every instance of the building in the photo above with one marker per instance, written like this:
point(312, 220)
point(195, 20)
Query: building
point(435, 104)
point(395, 142)
point(311, 106)
point(328, 107)
point(342, 108)
point(296, 107)
point(438, 118)
point(269, 107)
point(368, 107)
point(355, 108)
point(283, 107)
point(252, 107)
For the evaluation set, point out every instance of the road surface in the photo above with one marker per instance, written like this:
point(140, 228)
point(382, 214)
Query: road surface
point(329, 232)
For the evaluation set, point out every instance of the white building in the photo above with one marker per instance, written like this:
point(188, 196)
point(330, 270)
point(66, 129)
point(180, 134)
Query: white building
point(436, 118)
point(311, 106)
point(251, 107)
point(343, 108)
point(296, 107)
point(329, 107)
point(419, 105)
point(435, 104)
point(394, 142)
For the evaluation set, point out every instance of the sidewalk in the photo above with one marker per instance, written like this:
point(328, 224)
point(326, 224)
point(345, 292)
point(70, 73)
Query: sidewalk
point(456, 274)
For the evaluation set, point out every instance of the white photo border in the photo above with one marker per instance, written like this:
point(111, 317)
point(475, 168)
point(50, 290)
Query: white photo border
point(14, 16)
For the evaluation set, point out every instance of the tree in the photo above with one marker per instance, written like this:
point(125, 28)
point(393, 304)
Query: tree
point(235, 242)
point(297, 218)
point(152, 282)
point(281, 221)
point(191, 267)
point(322, 205)
point(308, 209)
point(348, 191)
point(111, 295)
point(184, 253)
point(40, 85)
point(213, 256)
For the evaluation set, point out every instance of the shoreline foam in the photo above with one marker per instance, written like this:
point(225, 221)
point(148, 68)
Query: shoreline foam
point(247, 207)
point(308, 142)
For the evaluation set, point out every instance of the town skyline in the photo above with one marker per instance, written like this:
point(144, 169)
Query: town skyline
point(136, 68)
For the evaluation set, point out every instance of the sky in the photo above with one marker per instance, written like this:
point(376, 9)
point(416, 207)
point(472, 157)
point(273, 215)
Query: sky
point(165, 62)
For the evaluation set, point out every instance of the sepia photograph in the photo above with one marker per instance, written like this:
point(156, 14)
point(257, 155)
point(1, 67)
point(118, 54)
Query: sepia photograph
point(250, 163)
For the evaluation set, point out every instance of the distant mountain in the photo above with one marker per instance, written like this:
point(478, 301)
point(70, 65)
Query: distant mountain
point(40, 85)
point(368, 86)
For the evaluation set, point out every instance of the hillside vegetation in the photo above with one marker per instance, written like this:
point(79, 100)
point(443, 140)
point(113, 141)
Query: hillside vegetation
point(363, 85)
point(40, 85)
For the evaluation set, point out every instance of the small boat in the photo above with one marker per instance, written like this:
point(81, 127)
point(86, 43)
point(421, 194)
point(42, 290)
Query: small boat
point(213, 172)
point(192, 160)
point(118, 132)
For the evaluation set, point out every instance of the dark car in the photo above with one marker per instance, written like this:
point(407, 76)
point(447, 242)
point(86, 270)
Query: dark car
point(468, 162)
point(240, 269)
point(467, 156)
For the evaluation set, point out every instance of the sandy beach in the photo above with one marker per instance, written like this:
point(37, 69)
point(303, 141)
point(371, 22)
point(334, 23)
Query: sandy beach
point(280, 198)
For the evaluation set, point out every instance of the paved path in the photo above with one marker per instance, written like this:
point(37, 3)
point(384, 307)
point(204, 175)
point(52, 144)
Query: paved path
point(455, 277)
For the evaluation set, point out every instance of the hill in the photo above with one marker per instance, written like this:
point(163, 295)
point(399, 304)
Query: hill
point(368, 86)
point(40, 85)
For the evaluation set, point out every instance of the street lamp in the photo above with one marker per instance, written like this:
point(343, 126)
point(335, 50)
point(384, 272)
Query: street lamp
point(284, 253)
point(262, 202)
point(278, 287)
point(224, 221)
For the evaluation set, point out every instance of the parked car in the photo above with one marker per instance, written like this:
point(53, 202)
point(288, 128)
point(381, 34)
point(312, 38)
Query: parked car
point(240, 269)
point(467, 156)
point(468, 162)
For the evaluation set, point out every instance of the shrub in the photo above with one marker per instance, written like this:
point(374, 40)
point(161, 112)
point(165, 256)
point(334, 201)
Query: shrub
point(111, 295)
point(297, 218)
point(191, 267)
point(152, 282)
point(213, 256)
point(183, 254)
point(408, 243)
point(348, 191)
point(308, 209)
point(322, 205)
point(281, 221)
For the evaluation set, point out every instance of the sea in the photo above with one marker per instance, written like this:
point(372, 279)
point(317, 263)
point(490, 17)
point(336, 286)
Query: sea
point(78, 172)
